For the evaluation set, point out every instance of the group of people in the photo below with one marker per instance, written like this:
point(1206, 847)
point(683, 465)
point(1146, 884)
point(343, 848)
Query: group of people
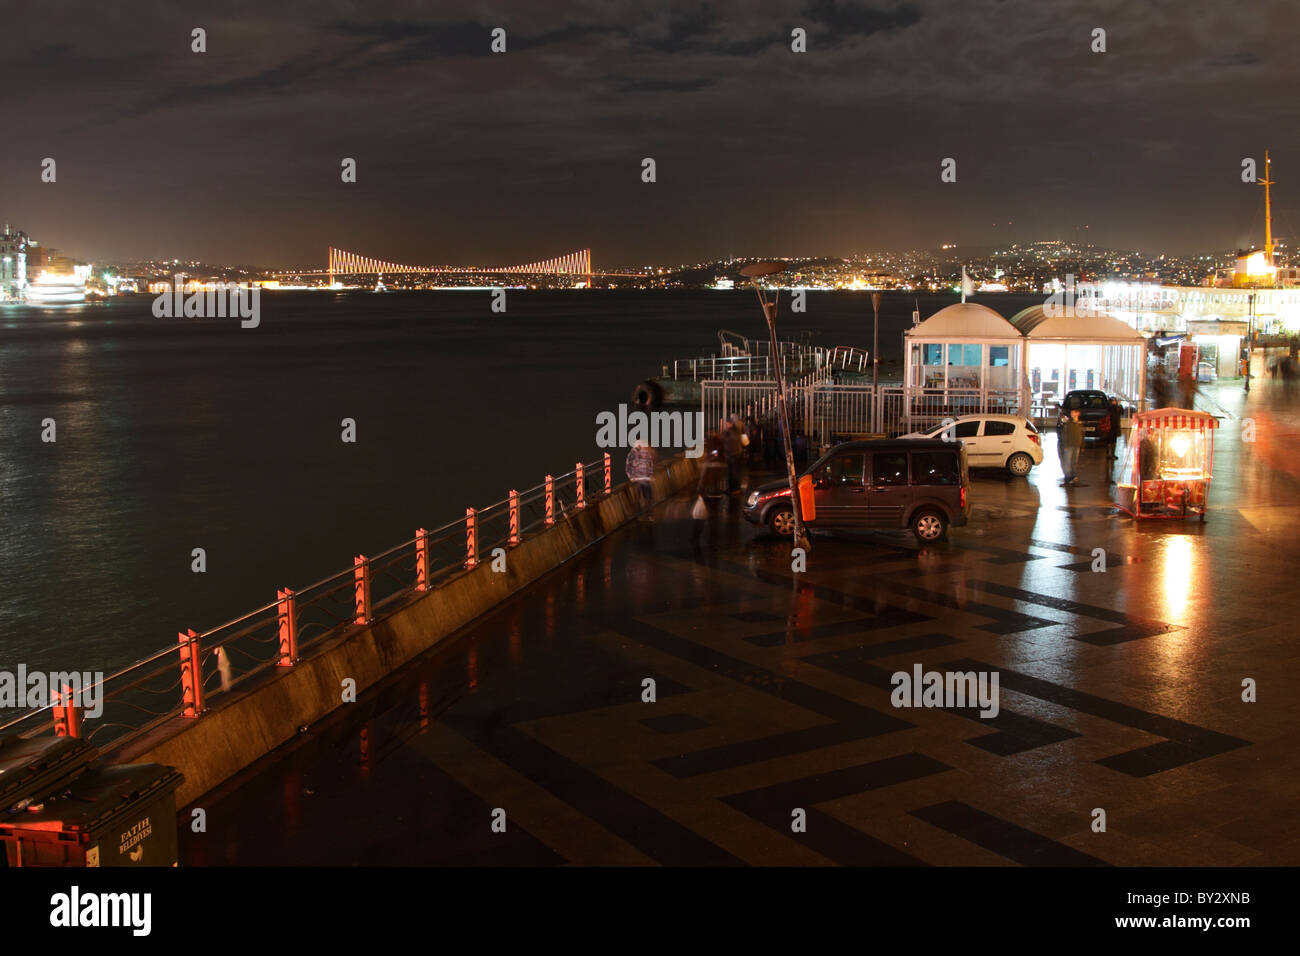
point(1169, 389)
point(723, 467)
point(1071, 435)
point(722, 470)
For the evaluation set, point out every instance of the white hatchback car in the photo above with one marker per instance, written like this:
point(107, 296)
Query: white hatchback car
point(992, 441)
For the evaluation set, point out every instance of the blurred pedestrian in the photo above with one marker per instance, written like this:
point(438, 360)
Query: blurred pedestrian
point(733, 446)
point(1070, 443)
point(640, 468)
point(1112, 436)
point(713, 466)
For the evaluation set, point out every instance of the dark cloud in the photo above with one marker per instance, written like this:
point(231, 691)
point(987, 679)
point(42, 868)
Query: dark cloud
point(628, 85)
point(1234, 59)
point(841, 20)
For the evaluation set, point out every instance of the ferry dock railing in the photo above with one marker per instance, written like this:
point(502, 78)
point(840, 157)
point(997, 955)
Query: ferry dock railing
point(825, 410)
point(179, 680)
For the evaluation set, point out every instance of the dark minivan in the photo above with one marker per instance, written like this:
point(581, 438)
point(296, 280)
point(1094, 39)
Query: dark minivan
point(920, 484)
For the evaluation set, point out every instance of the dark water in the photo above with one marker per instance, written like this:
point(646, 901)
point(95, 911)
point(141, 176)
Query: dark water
point(174, 434)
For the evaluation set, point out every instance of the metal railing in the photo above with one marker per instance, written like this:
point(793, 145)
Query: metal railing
point(754, 398)
point(829, 411)
point(180, 679)
point(848, 358)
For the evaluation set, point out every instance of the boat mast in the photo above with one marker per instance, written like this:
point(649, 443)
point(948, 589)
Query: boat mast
point(1268, 210)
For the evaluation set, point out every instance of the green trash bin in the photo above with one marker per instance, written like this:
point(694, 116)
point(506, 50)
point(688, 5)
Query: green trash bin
point(122, 815)
point(32, 768)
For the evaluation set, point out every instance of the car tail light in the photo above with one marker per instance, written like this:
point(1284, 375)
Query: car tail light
point(1033, 437)
point(963, 496)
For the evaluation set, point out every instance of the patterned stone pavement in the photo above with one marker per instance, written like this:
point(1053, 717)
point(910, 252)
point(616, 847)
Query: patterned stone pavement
point(1119, 690)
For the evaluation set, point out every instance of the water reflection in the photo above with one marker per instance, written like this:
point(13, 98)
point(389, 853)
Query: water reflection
point(1177, 572)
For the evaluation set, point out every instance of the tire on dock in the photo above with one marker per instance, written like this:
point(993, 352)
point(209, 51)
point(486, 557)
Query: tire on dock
point(648, 395)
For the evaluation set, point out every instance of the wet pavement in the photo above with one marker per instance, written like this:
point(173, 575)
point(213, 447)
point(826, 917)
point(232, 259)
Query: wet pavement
point(1120, 690)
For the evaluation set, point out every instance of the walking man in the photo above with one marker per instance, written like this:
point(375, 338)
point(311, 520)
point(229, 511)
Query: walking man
point(1070, 441)
point(1116, 415)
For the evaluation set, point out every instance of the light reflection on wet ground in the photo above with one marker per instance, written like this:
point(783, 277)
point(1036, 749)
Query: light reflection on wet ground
point(1119, 690)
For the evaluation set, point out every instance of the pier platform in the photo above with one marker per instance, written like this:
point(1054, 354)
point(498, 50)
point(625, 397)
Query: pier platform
point(1120, 690)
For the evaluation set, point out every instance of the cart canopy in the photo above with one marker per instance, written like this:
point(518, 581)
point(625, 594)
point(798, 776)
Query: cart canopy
point(1174, 418)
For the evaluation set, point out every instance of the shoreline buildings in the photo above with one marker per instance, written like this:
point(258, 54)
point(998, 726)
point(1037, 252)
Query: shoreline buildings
point(13, 264)
point(33, 274)
point(1222, 318)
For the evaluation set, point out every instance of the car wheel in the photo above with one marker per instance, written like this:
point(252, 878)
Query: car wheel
point(781, 521)
point(1019, 464)
point(929, 526)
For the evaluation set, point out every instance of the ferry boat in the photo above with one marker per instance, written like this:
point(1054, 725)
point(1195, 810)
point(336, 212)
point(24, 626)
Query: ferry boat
point(56, 290)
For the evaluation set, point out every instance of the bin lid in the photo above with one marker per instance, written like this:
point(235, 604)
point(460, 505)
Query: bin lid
point(34, 767)
point(100, 796)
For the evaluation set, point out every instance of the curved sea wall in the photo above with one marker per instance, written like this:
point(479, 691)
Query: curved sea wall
point(249, 723)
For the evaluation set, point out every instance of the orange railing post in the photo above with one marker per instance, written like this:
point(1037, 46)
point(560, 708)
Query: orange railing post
point(550, 501)
point(287, 626)
point(67, 716)
point(361, 587)
point(581, 485)
point(514, 518)
point(471, 539)
point(191, 674)
point(609, 475)
point(421, 559)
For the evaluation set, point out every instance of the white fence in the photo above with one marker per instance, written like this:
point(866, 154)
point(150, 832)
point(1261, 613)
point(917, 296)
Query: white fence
point(755, 399)
point(828, 412)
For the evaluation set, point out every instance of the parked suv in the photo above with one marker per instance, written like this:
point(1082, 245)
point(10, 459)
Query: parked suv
point(1094, 411)
point(993, 441)
point(917, 484)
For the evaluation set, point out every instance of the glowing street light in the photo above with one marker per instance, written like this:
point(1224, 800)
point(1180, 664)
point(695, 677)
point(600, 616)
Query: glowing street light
point(753, 273)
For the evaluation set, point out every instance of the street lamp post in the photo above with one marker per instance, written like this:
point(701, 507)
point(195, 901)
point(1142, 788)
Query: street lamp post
point(875, 340)
point(1250, 338)
point(754, 273)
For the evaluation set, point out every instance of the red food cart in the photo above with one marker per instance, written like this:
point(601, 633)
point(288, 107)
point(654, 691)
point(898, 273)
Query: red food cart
point(1169, 464)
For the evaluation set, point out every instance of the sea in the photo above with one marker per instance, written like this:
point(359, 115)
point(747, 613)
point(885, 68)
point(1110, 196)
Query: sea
point(172, 434)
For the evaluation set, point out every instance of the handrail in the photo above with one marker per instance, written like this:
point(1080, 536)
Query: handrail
point(237, 649)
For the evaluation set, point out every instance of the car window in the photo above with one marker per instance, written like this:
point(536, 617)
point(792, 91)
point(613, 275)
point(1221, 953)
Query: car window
point(889, 468)
point(844, 470)
point(999, 428)
point(935, 468)
point(966, 429)
point(1094, 401)
point(1029, 426)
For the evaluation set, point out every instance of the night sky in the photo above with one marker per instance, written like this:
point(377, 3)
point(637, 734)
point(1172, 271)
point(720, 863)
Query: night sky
point(233, 155)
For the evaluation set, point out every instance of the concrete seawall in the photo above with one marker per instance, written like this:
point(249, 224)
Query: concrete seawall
point(267, 710)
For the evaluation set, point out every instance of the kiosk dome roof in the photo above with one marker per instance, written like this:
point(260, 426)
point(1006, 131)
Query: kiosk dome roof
point(965, 322)
point(1074, 325)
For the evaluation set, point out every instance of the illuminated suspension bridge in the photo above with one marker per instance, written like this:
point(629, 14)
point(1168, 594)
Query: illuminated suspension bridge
point(578, 264)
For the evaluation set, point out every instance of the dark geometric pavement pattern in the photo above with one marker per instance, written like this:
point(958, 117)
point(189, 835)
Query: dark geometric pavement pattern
point(1120, 690)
